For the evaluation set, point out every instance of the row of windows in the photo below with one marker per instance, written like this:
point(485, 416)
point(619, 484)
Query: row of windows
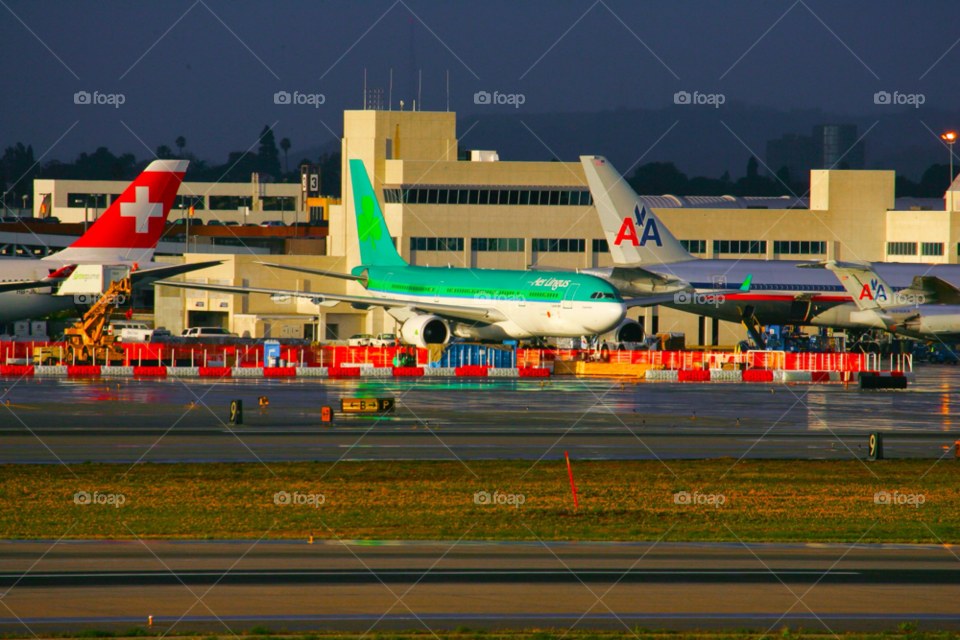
point(488, 196)
point(910, 248)
point(436, 244)
point(739, 246)
point(793, 247)
point(496, 244)
point(694, 246)
point(92, 200)
point(563, 245)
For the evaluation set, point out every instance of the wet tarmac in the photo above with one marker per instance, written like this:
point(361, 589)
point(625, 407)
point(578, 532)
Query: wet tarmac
point(125, 420)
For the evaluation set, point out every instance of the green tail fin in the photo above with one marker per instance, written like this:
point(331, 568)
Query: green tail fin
point(376, 247)
point(745, 287)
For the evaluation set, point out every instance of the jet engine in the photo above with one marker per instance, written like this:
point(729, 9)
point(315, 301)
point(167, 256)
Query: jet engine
point(627, 331)
point(424, 330)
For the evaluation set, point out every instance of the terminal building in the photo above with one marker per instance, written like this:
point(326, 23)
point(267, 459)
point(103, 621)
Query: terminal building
point(445, 206)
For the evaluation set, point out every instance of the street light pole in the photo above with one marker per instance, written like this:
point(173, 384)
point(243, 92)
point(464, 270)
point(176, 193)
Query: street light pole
point(950, 137)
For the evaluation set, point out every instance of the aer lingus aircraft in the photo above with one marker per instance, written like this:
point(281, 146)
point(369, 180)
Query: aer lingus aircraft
point(651, 262)
point(435, 304)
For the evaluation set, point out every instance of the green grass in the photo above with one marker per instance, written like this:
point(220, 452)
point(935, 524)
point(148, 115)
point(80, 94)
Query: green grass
point(904, 631)
point(779, 501)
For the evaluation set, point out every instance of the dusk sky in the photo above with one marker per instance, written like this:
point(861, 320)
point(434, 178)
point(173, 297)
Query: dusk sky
point(208, 69)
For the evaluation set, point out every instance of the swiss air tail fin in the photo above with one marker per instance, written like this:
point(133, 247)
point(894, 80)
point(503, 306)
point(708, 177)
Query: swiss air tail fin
point(634, 233)
point(130, 228)
point(376, 246)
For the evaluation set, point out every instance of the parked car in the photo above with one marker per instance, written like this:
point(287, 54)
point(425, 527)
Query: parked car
point(214, 223)
point(207, 332)
point(9, 219)
point(135, 332)
point(272, 223)
point(231, 223)
point(49, 220)
point(360, 340)
point(116, 327)
point(384, 340)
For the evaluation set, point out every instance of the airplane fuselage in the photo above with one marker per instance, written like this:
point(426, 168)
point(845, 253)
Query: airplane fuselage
point(531, 304)
point(780, 293)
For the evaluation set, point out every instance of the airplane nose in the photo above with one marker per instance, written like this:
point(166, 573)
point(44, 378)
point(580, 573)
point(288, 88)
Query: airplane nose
point(607, 317)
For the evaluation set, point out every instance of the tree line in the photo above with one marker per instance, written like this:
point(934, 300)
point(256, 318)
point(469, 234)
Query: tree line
point(659, 178)
point(19, 168)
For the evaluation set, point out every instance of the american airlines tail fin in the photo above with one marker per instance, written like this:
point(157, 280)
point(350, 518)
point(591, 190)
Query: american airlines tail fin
point(130, 228)
point(866, 287)
point(634, 233)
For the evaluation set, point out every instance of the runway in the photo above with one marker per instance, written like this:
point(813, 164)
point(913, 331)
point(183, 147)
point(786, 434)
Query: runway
point(445, 584)
point(78, 420)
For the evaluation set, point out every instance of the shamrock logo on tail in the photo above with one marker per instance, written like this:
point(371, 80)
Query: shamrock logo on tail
point(369, 225)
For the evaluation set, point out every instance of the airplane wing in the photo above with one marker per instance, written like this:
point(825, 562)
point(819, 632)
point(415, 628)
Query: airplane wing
point(24, 285)
point(472, 314)
point(936, 289)
point(650, 301)
point(143, 277)
point(362, 278)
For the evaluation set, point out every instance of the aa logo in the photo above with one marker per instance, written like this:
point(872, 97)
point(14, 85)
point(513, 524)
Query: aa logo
point(628, 229)
point(874, 291)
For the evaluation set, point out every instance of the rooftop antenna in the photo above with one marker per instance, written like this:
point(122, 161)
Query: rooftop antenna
point(448, 89)
point(401, 105)
point(391, 89)
point(420, 89)
point(364, 89)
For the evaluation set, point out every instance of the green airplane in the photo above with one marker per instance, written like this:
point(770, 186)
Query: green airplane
point(437, 304)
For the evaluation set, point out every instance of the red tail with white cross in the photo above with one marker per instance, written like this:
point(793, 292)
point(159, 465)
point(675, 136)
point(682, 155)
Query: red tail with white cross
point(133, 223)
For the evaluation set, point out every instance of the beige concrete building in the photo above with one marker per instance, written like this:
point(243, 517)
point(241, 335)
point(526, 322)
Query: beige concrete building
point(253, 202)
point(490, 213)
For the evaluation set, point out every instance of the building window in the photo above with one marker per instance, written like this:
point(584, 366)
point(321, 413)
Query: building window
point(901, 248)
point(496, 244)
point(740, 246)
point(185, 202)
point(694, 246)
point(931, 248)
point(436, 244)
point(316, 214)
point(230, 202)
point(92, 200)
point(799, 247)
point(502, 197)
point(600, 246)
point(562, 245)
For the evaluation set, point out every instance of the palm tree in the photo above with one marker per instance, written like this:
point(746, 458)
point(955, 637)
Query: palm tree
point(285, 145)
point(181, 142)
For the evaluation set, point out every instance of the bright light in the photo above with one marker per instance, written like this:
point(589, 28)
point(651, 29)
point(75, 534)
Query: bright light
point(949, 137)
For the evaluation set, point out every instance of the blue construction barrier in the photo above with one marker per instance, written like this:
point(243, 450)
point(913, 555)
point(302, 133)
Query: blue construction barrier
point(465, 355)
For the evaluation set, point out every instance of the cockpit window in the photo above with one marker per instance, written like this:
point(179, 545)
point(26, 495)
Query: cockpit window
point(602, 295)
